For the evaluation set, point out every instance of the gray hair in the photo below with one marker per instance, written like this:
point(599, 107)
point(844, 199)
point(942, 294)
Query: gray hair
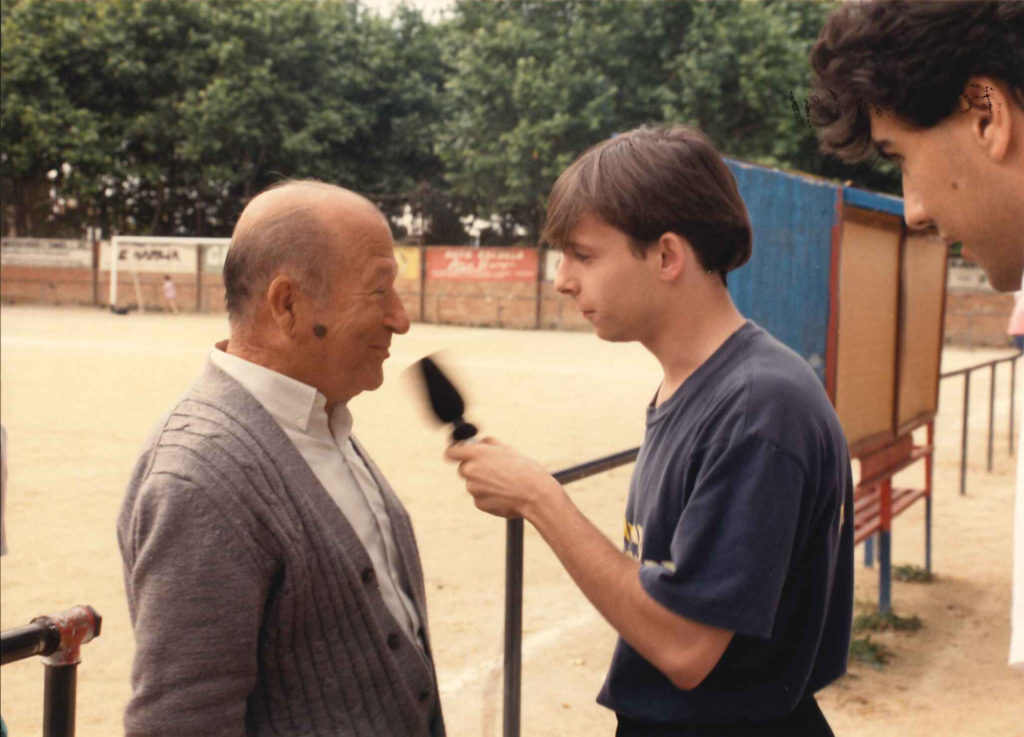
point(293, 241)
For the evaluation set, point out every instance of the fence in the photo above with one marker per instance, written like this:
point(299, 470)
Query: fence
point(507, 287)
point(59, 639)
point(514, 532)
point(499, 287)
point(966, 373)
point(514, 586)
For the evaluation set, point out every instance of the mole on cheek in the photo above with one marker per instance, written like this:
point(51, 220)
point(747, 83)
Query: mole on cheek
point(955, 185)
point(319, 330)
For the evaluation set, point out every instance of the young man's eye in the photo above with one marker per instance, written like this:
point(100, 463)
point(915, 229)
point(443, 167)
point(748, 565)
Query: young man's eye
point(895, 158)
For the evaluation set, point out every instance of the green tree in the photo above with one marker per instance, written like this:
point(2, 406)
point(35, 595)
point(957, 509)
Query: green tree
point(172, 114)
point(49, 141)
point(735, 71)
point(740, 73)
point(534, 83)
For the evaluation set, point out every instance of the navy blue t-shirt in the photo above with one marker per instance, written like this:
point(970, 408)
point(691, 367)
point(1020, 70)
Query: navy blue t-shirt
point(741, 512)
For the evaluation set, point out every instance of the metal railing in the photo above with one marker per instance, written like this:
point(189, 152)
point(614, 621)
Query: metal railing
point(514, 587)
point(514, 533)
point(966, 373)
point(59, 639)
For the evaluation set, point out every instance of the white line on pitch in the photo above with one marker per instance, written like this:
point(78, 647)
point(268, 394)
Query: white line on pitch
point(532, 644)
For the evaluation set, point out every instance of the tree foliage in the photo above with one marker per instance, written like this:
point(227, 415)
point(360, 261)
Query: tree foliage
point(165, 117)
point(535, 83)
point(172, 114)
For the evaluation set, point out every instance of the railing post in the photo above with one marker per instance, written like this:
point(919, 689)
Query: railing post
point(59, 639)
point(928, 497)
point(59, 700)
point(513, 625)
point(514, 587)
point(991, 412)
point(885, 549)
point(963, 439)
point(1013, 384)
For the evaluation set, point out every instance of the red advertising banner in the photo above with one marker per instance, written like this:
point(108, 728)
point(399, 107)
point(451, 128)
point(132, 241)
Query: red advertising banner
point(482, 264)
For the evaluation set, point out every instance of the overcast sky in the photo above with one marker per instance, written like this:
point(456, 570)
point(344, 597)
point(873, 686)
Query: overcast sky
point(430, 8)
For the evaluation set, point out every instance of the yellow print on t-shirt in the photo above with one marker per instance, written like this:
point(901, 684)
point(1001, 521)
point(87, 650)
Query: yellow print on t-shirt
point(633, 544)
point(633, 540)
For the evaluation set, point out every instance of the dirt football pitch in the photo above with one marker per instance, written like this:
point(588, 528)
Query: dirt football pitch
point(80, 389)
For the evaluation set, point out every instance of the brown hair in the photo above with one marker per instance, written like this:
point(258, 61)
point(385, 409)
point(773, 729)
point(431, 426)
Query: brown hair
point(651, 181)
point(913, 58)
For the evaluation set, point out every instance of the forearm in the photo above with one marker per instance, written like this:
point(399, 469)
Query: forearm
point(504, 483)
point(682, 649)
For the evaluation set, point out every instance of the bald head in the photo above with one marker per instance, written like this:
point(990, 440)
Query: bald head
point(297, 228)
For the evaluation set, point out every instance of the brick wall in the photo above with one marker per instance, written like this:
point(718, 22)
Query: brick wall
point(213, 293)
point(977, 317)
point(975, 314)
point(409, 291)
point(558, 312)
point(46, 285)
point(151, 288)
point(490, 304)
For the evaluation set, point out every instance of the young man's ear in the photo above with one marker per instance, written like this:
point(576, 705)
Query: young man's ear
point(990, 103)
point(674, 254)
point(282, 295)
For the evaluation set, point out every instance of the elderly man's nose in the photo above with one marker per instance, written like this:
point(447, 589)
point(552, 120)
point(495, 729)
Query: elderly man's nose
point(397, 318)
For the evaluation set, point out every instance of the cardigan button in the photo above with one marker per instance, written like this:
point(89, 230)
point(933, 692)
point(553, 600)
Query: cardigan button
point(424, 695)
point(394, 641)
point(369, 576)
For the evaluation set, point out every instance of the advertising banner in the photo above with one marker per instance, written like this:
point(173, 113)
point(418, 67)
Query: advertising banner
point(408, 258)
point(482, 264)
point(46, 252)
point(552, 259)
point(213, 256)
point(163, 255)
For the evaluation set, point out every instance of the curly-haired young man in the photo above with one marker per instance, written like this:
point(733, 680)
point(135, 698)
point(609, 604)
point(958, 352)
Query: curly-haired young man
point(938, 87)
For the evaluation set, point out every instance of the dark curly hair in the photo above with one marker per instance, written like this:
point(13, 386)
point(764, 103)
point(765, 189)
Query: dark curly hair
point(913, 58)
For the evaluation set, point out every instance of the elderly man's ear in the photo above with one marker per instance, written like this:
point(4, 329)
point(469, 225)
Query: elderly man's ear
point(283, 296)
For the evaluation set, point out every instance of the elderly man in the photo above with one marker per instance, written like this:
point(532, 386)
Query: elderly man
point(272, 575)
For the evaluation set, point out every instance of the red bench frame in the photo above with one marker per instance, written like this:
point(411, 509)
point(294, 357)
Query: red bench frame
point(876, 503)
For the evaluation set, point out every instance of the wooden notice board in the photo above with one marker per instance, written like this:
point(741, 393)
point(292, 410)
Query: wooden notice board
point(923, 277)
point(868, 326)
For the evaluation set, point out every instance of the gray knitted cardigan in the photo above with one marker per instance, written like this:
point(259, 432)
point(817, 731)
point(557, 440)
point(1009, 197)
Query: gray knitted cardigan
point(255, 607)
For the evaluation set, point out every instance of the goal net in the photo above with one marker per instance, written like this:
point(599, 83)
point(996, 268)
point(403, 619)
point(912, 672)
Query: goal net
point(163, 273)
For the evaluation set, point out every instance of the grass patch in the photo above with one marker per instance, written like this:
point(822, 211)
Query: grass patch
point(866, 652)
point(884, 621)
point(912, 574)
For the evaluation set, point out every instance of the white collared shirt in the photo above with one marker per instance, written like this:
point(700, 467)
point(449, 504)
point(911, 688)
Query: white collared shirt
point(326, 445)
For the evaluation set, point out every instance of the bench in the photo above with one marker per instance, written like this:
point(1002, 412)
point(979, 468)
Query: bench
point(876, 502)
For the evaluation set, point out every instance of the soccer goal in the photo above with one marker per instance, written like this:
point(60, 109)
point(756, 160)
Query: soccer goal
point(161, 273)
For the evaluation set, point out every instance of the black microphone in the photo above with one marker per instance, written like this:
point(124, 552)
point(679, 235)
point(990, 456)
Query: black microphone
point(445, 400)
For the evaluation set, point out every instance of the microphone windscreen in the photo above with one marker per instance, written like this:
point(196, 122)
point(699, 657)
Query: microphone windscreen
point(444, 397)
